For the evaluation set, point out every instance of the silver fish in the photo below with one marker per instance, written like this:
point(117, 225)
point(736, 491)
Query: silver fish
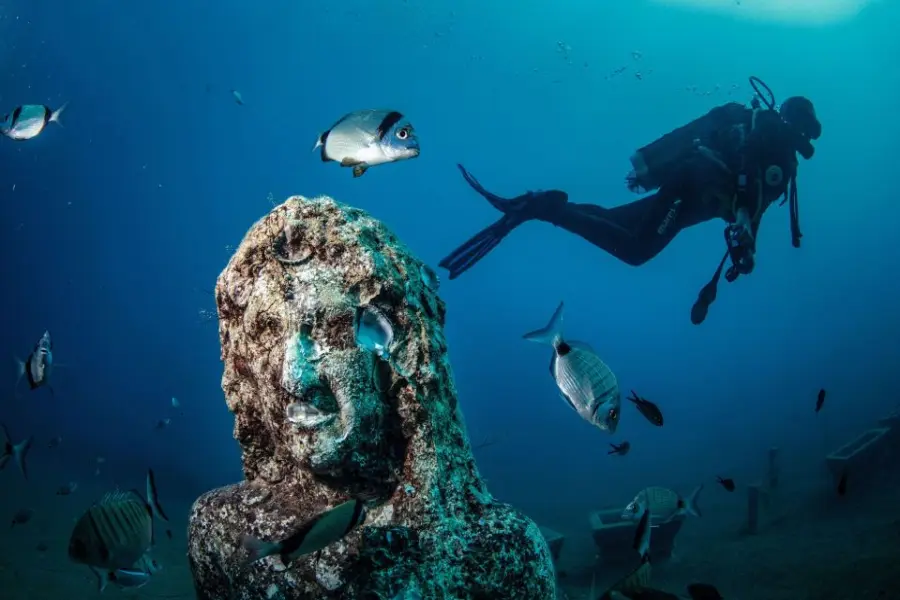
point(317, 533)
point(587, 385)
point(18, 452)
point(366, 138)
point(115, 532)
point(38, 367)
point(27, 121)
point(664, 504)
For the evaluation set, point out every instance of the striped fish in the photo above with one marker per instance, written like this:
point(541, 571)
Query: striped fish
point(664, 504)
point(117, 531)
point(587, 385)
point(314, 535)
point(635, 582)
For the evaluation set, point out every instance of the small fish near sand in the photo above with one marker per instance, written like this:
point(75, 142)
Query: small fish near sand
point(29, 120)
point(117, 531)
point(665, 505)
point(18, 452)
point(820, 400)
point(587, 385)
point(367, 138)
point(314, 535)
point(620, 449)
point(650, 411)
point(38, 367)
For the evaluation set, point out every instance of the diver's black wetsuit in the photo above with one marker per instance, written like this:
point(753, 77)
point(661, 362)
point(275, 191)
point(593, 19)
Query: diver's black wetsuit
point(732, 164)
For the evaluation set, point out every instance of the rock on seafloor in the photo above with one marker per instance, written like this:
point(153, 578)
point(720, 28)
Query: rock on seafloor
point(390, 429)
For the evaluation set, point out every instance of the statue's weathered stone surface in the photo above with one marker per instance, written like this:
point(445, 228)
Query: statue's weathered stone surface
point(288, 302)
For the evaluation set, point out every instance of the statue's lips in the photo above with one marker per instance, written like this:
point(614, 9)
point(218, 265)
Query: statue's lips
point(314, 410)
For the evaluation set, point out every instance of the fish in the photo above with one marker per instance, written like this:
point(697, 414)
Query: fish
point(126, 579)
point(18, 452)
point(175, 402)
point(635, 582)
point(842, 484)
point(27, 121)
point(163, 423)
point(42, 547)
point(38, 366)
point(169, 533)
point(67, 489)
point(237, 97)
point(664, 504)
point(135, 577)
point(367, 138)
point(153, 497)
point(116, 531)
point(703, 591)
point(373, 331)
point(54, 442)
point(21, 517)
point(728, 483)
point(315, 534)
point(642, 534)
point(620, 449)
point(820, 400)
point(650, 411)
point(587, 385)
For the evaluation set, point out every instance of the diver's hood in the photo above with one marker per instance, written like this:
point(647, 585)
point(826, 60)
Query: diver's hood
point(800, 114)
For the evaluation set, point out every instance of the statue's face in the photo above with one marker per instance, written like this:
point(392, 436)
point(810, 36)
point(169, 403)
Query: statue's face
point(334, 410)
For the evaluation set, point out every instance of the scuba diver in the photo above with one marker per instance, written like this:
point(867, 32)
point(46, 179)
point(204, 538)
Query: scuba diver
point(731, 163)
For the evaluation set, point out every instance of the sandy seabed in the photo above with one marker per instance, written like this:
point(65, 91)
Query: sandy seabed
point(814, 545)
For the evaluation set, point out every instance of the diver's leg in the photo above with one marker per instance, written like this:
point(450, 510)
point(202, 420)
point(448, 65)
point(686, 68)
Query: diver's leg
point(634, 233)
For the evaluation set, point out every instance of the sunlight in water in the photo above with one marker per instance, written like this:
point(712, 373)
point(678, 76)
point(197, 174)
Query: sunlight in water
point(816, 12)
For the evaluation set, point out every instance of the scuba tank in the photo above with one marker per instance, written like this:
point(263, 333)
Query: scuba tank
point(661, 161)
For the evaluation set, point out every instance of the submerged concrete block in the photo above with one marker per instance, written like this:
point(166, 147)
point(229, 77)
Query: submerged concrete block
point(555, 541)
point(614, 537)
point(388, 428)
point(860, 454)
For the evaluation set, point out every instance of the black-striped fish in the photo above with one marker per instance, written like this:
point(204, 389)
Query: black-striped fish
point(317, 533)
point(18, 452)
point(38, 366)
point(117, 531)
point(366, 138)
point(635, 582)
point(587, 385)
point(29, 120)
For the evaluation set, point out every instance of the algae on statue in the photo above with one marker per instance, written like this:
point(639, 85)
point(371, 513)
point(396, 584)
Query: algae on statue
point(324, 412)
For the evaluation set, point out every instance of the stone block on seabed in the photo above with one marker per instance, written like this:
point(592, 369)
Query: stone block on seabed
point(614, 537)
point(392, 431)
point(555, 541)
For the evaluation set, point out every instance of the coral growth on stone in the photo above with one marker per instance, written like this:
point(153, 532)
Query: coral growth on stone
point(321, 418)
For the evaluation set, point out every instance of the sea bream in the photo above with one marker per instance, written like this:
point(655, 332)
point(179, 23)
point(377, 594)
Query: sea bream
point(38, 366)
point(315, 534)
point(117, 531)
point(587, 385)
point(366, 138)
point(664, 505)
point(29, 120)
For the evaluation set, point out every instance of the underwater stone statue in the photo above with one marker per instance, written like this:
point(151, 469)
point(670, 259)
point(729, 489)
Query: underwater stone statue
point(378, 422)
